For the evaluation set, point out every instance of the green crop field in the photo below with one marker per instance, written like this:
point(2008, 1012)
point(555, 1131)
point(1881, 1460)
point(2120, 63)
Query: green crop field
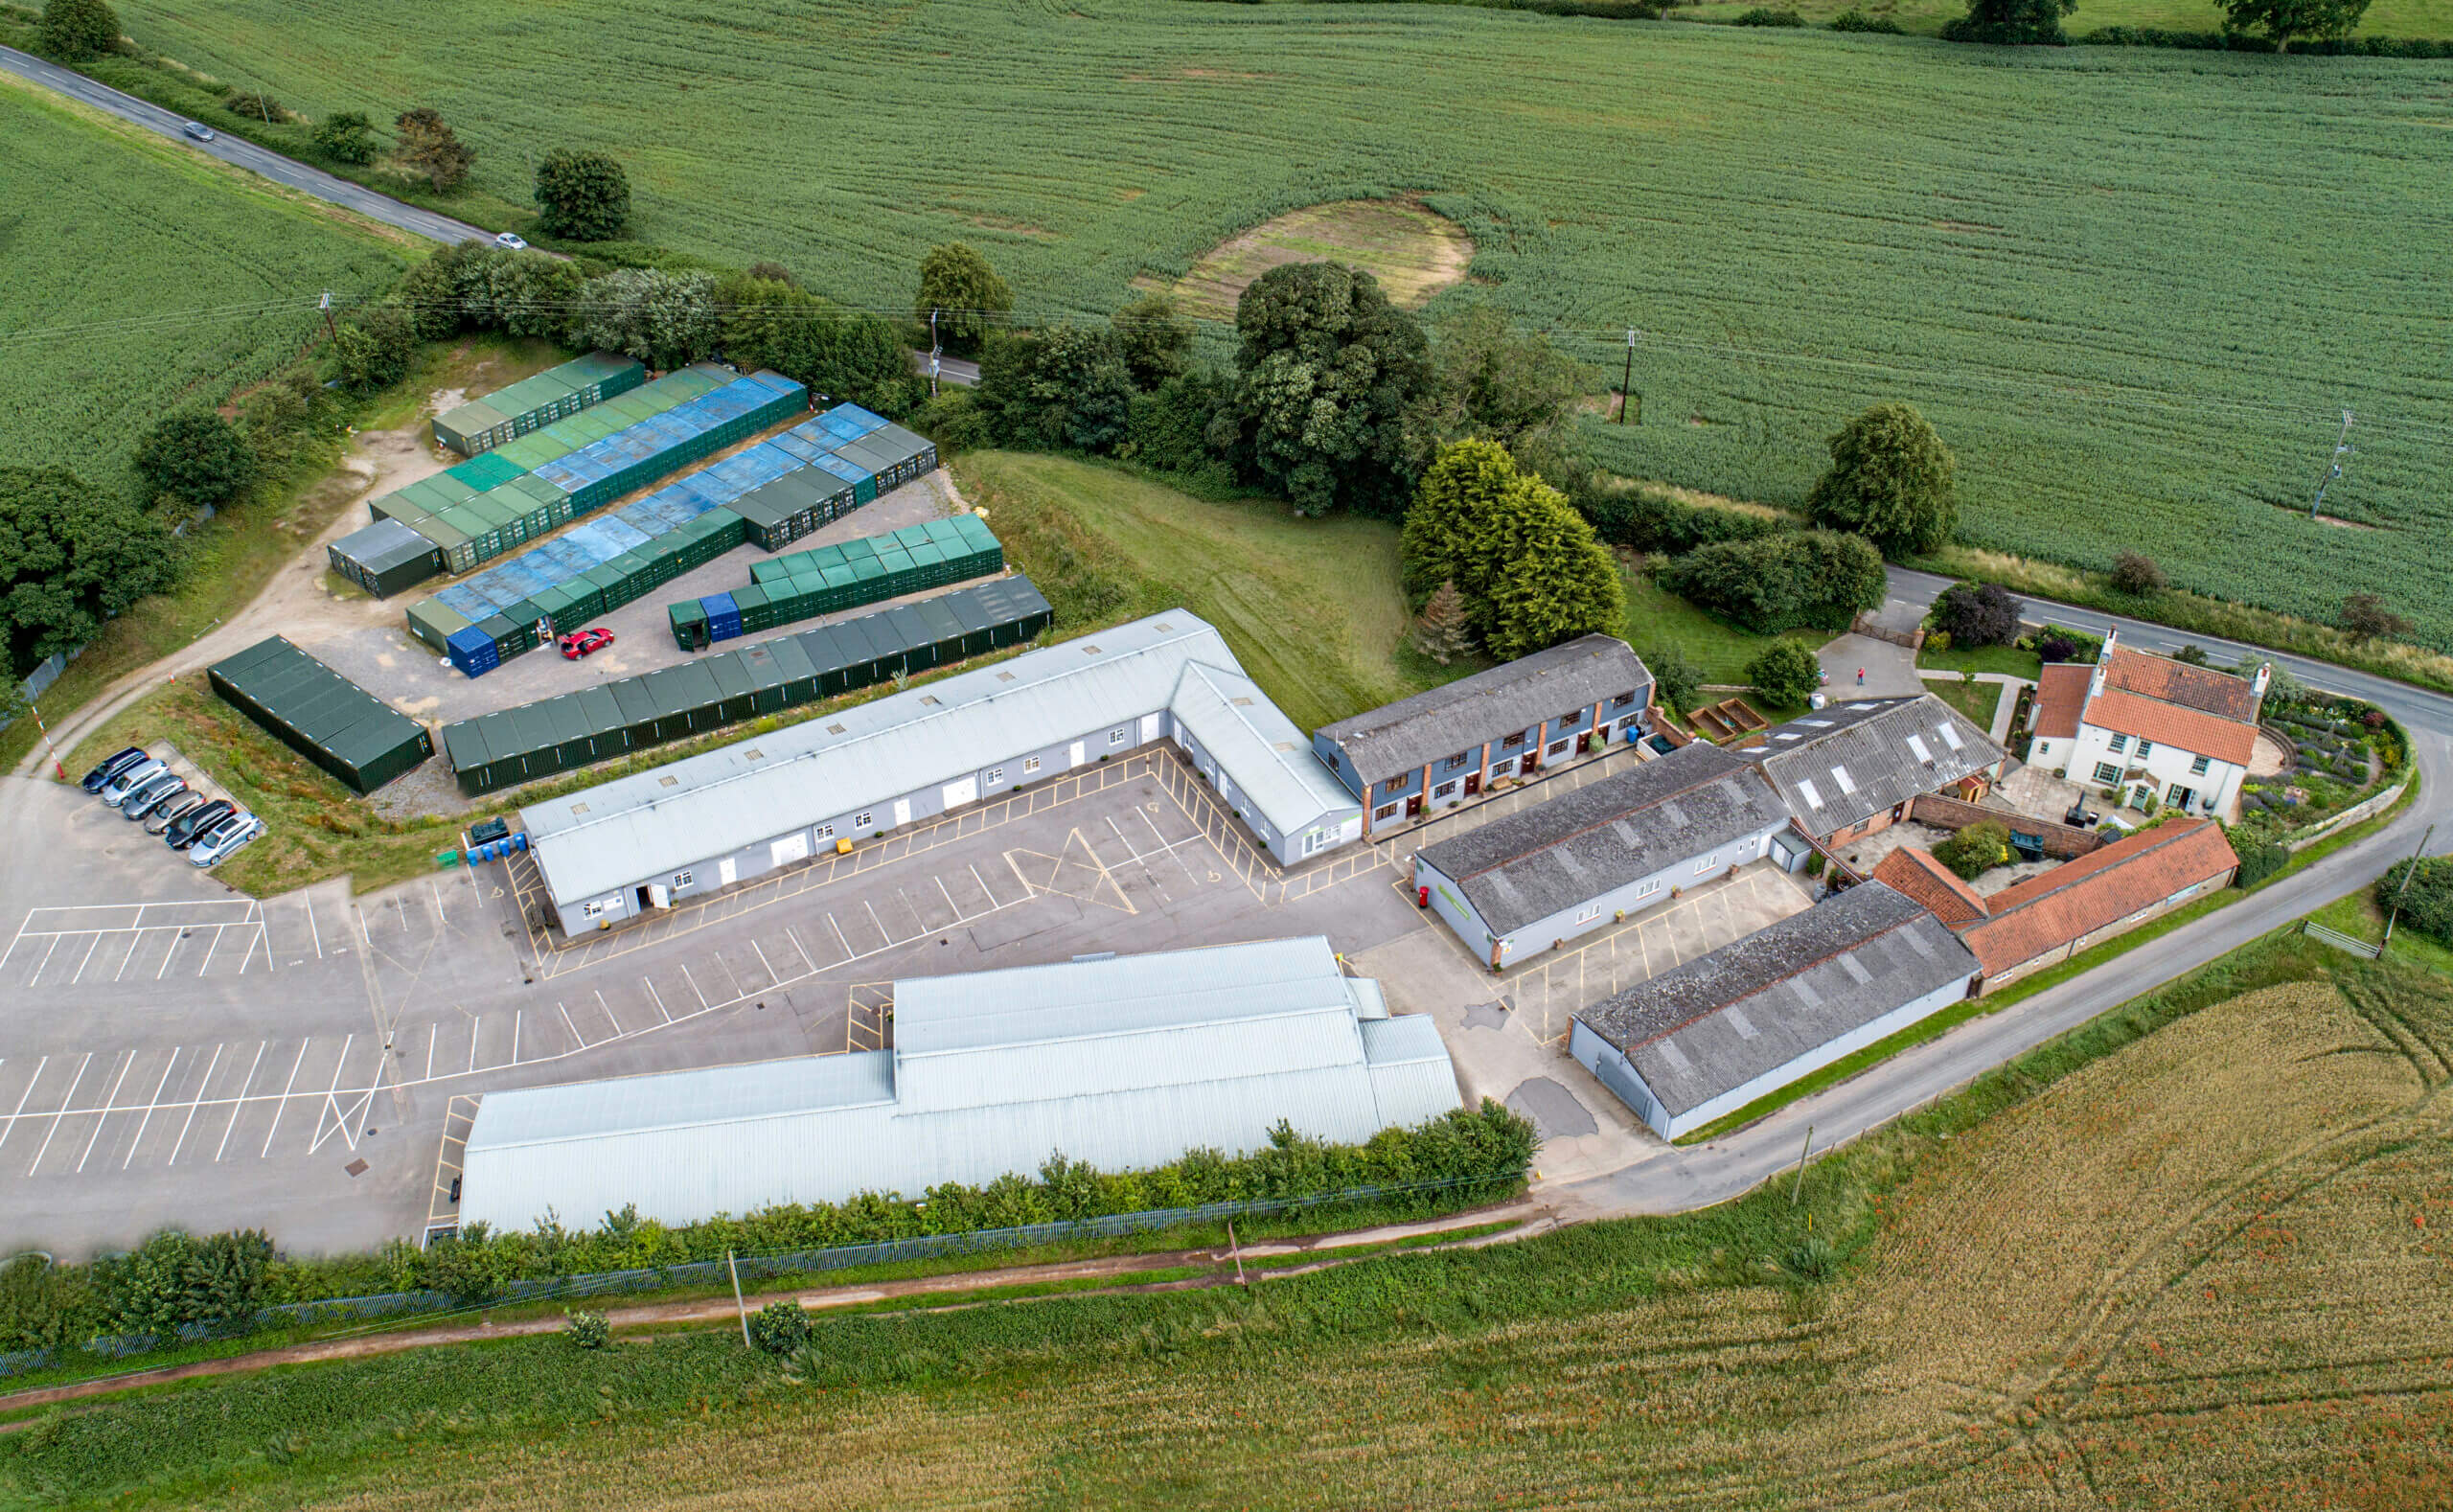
point(114, 240)
point(2135, 288)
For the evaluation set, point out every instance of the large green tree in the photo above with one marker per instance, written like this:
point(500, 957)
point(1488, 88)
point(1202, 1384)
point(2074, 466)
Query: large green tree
point(1067, 387)
point(2286, 21)
point(374, 348)
point(770, 323)
point(581, 197)
point(1501, 383)
point(196, 458)
point(429, 149)
point(965, 294)
point(1796, 580)
point(78, 29)
point(346, 137)
point(1785, 672)
point(1524, 562)
point(666, 320)
point(1332, 390)
point(1154, 340)
point(71, 558)
point(2011, 22)
point(1891, 481)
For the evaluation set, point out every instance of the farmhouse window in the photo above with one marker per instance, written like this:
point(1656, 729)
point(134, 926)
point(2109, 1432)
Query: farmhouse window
point(2197, 767)
point(2120, 743)
point(1571, 720)
point(1513, 740)
point(1558, 747)
point(1589, 914)
point(1704, 866)
point(1030, 765)
point(1455, 761)
point(995, 775)
point(864, 820)
point(1116, 737)
point(1383, 812)
point(2106, 771)
point(1446, 789)
point(825, 832)
point(2146, 748)
point(590, 910)
point(1649, 888)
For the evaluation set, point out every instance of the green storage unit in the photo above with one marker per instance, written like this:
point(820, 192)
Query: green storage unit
point(330, 720)
point(689, 618)
point(538, 401)
point(433, 624)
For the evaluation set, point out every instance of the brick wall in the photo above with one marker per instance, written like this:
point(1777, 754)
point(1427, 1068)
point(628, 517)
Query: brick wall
point(2061, 841)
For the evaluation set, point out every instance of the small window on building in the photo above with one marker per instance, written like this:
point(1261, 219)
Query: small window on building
point(681, 879)
point(1570, 719)
point(1455, 761)
point(1622, 701)
point(2146, 748)
point(2120, 743)
point(2106, 771)
point(1840, 775)
point(995, 775)
point(1030, 765)
point(1116, 737)
point(590, 910)
point(1704, 866)
point(668, 781)
point(825, 832)
point(1649, 888)
point(1558, 747)
point(1514, 740)
point(1916, 744)
point(1385, 810)
point(1445, 790)
point(863, 820)
point(2197, 767)
point(1589, 914)
point(1812, 796)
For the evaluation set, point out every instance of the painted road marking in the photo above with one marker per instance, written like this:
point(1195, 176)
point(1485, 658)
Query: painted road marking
point(282, 1106)
point(21, 1099)
point(189, 1122)
point(108, 1098)
point(63, 1110)
point(238, 1104)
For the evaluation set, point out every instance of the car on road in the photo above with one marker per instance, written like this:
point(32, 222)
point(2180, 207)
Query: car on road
point(130, 778)
point(112, 766)
point(197, 130)
point(184, 829)
point(226, 840)
point(151, 795)
point(158, 822)
point(581, 643)
point(510, 242)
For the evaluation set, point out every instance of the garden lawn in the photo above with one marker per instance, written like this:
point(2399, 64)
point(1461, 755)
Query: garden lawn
point(1311, 607)
point(1978, 701)
point(2008, 660)
point(2133, 288)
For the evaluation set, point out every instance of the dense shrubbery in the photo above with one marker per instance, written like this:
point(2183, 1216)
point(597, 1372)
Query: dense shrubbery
point(1976, 850)
point(176, 1280)
point(1644, 518)
point(1767, 16)
point(2242, 43)
point(1526, 565)
point(1785, 672)
point(1796, 580)
point(2426, 902)
point(778, 1328)
point(1978, 614)
point(1859, 21)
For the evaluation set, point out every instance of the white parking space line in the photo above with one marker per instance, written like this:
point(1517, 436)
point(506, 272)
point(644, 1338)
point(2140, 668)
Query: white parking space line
point(772, 977)
point(64, 1108)
point(170, 956)
point(659, 999)
point(45, 961)
point(476, 1027)
point(848, 953)
point(798, 946)
point(108, 1098)
point(516, 1019)
point(984, 885)
point(90, 947)
point(725, 967)
point(314, 930)
point(694, 985)
point(198, 1102)
point(238, 1104)
point(572, 1027)
point(282, 1106)
point(331, 1101)
point(12, 1126)
point(608, 1010)
point(1190, 875)
point(873, 919)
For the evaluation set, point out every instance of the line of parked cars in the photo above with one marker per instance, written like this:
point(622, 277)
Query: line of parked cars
point(142, 787)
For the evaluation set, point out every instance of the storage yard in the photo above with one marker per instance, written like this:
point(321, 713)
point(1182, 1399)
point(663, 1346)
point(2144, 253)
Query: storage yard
point(536, 401)
point(363, 742)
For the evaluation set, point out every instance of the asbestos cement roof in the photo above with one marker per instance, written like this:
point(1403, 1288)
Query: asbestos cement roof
point(1271, 762)
point(1412, 732)
point(745, 794)
point(1554, 855)
point(1722, 1020)
point(1852, 761)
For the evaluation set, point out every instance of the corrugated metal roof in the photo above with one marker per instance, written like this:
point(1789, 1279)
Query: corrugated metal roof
point(1412, 732)
point(1196, 1049)
point(612, 835)
point(1271, 758)
point(1855, 760)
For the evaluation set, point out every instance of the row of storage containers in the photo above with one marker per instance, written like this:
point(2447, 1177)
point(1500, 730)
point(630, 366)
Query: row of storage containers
point(535, 402)
point(385, 557)
point(554, 735)
point(361, 740)
point(831, 579)
point(848, 474)
point(601, 471)
point(479, 647)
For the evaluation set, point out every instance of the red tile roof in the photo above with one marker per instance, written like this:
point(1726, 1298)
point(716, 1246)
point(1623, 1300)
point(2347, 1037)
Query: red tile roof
point(2060, 695)
point(1915, 874)
point(2200, 688)
point(2193, 730)
point(2074, 899)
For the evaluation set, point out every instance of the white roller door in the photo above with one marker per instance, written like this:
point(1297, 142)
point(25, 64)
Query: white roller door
point(787, 850)
point(958, 794)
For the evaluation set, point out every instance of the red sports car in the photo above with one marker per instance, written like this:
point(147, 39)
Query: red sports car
point(579, 643)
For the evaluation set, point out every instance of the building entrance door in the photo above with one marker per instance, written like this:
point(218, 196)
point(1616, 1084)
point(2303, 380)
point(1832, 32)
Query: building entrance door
point(1473, 783)
point(2181, 797)
point(1413, 805)
point(1584, 743)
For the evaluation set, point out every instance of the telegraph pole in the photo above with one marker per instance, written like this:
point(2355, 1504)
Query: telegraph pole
point(2342, 449)
point(2397, 910)
point(326, 306)
point(935, 347)
point(1627, 385)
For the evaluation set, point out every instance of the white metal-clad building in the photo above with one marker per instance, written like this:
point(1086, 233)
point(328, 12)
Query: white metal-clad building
point(1126, 1062)
point(704, 822)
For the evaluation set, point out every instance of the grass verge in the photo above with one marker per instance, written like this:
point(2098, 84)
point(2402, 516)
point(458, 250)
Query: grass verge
point(1978, 701)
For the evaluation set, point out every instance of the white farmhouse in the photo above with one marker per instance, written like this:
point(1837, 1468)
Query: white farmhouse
point(2137, 726)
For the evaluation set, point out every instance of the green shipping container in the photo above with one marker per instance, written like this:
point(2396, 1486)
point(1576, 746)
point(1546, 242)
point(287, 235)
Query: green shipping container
point(359, 740)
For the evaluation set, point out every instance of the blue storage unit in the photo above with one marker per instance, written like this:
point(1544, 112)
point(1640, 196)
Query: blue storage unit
point(472, 651)
point(723, 616)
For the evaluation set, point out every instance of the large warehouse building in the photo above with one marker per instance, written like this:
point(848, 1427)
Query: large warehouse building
point(1125, 1064)
point(702, 823)
point(1704, 1039)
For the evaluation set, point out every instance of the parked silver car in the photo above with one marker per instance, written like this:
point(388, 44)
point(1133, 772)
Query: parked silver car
point(151, 795)
point(226, 840)
point(159, 820)
point(116, 791)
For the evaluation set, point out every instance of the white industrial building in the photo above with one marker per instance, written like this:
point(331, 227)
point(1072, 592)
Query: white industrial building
point(696, 825)
point(1701, 1041)
point(1585, 859)
point(1125, 1063)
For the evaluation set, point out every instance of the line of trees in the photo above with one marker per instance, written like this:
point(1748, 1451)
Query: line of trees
point(2277, 22)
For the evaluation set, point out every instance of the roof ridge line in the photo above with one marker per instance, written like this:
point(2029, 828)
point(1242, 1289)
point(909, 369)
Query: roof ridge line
point(1276, 755)
point(1788, 976)
point(917, 718)
point(1577, 834)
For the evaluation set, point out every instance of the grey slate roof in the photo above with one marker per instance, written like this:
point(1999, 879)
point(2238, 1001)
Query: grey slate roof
point(1759, 1002)
point(1854, 759)
point(1405, 735)
point(1538, 861)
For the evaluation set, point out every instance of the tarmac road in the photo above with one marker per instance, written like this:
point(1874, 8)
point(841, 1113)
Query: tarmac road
point(245, 154)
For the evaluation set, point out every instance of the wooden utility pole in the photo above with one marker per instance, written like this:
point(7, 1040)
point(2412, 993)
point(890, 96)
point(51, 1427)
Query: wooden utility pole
point(742, 1306)
point(2394, 913)
point(1800, 1184)
point(1627, 385)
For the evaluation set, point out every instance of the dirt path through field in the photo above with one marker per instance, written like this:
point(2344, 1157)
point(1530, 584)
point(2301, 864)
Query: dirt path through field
point(1529, 1216)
